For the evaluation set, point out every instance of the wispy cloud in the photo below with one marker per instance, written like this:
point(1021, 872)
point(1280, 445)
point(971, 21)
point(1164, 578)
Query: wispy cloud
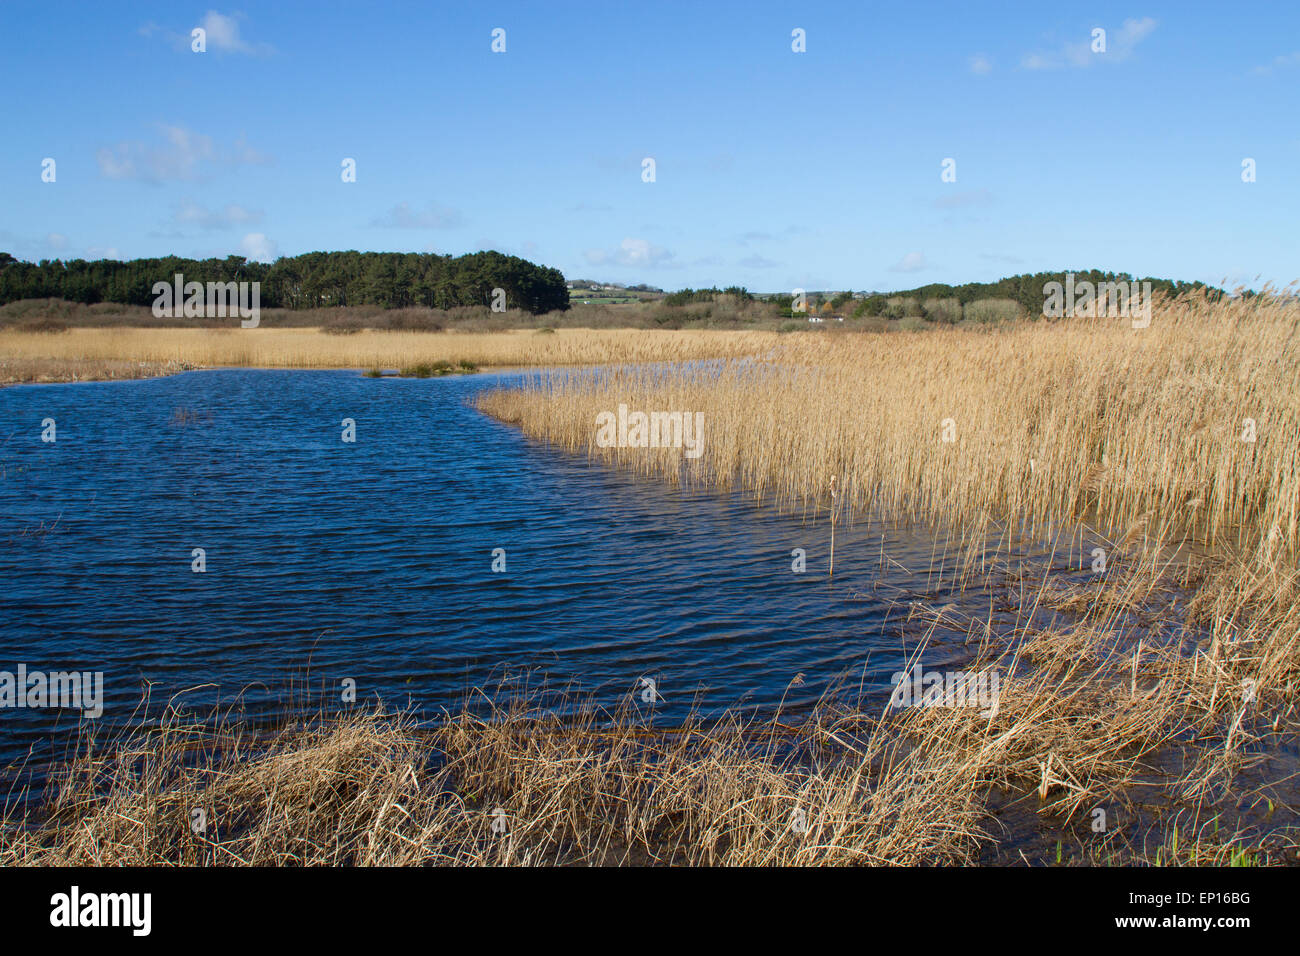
point(760, 235)
point(638, 253)
point(912, 262)
point(191, 213)
point(1283, 62)
point(222, 35)
point(433, 216)
point(757, 262)
point(981, 65)
point(1120, 45)
point(182, 155)
point(974, 197)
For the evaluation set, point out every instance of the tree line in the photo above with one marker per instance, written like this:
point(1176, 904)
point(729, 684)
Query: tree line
point(687, 296)
point(1026, 290)
point(949, 302)
point(391, 280)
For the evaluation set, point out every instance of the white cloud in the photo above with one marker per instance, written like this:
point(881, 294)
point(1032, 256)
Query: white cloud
point(912, 262)
point(223, 33)
point(757, 262)
point(1120, 45)
point(980, 64)
point(640, 253)
point(256, 246)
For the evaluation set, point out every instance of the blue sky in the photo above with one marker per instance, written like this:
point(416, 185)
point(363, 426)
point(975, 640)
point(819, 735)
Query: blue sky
point(774, 169)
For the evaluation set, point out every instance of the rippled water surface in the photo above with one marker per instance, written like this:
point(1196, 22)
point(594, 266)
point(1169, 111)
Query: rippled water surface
point(373, 560)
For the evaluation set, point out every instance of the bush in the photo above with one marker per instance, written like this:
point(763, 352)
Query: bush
point(872, 305)
point(942, 310)
point(992, 310)
point(417, 320)
point(345, 327)
point(42, 325)
point(897, 307)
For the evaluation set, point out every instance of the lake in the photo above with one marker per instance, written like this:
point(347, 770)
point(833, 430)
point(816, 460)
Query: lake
point(372, 561)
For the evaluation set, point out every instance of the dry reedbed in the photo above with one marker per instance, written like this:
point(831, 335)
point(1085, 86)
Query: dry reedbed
point(1194, 418)
point(313, 348)
point(1183, 433)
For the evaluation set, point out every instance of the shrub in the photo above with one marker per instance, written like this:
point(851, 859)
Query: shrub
point(992, 310)
point(942, 310)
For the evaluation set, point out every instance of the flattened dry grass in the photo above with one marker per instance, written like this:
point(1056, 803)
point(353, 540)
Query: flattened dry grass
point(514, 787)
point(31, 371)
